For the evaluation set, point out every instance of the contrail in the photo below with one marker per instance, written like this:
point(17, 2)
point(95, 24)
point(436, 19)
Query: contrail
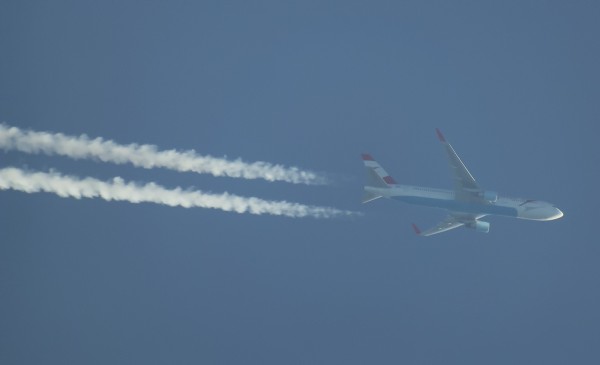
point(149, 156)
point(119, 190)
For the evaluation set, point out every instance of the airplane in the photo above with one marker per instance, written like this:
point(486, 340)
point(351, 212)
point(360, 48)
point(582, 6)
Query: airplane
point(466, 204)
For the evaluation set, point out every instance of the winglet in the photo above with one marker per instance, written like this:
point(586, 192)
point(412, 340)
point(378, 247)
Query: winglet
point(440, 135)
point(417, 230)
point(367, 157)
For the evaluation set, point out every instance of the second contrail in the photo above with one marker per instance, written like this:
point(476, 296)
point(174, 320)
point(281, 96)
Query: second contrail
point(119, 190)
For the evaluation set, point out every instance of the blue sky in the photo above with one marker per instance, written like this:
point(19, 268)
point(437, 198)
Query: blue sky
point(513, 85)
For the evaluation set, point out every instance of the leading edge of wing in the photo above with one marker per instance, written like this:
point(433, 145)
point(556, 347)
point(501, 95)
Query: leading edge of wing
point(464, 179)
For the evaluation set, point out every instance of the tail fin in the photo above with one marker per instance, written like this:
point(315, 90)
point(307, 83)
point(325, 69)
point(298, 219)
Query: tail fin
point(376, 177)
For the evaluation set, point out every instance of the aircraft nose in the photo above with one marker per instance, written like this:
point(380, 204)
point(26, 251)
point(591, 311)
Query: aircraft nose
point(550, 213)
point(557, 214)
point(543, 213)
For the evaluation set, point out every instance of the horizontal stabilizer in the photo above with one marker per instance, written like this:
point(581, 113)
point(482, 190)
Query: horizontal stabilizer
point(369, 196)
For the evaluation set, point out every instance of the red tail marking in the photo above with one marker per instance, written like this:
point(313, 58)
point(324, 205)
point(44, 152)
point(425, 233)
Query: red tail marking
point(389, 180)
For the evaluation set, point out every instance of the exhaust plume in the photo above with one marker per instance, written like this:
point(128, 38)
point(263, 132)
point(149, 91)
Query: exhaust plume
point(149, 156)
point(119, 190)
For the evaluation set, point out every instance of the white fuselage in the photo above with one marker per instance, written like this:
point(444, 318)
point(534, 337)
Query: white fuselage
point(446, 199)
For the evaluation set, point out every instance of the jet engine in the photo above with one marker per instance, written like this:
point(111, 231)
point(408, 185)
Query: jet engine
point(480, 226)
point(490, 196)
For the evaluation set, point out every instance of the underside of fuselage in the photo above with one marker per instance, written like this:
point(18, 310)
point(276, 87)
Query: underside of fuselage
point(459, 206)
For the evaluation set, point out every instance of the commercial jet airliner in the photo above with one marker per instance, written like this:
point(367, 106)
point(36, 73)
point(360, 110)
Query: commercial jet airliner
point(466, 204)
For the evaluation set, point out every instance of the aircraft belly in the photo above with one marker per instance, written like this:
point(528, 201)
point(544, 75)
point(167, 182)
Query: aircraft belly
point(459, 206)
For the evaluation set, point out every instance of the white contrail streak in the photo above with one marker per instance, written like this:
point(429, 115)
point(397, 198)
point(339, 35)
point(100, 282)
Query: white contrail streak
point(148, 156)
point(118, 189)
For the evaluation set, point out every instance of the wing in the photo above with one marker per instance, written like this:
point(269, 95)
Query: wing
point(453, 220)
point(464, 181)
point(447, 224)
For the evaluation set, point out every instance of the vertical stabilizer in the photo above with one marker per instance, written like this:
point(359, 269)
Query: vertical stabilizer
point(376, 177)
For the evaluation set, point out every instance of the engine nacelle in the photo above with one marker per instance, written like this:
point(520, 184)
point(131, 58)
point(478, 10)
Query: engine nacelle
point(480, 226)
point(490, 196)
